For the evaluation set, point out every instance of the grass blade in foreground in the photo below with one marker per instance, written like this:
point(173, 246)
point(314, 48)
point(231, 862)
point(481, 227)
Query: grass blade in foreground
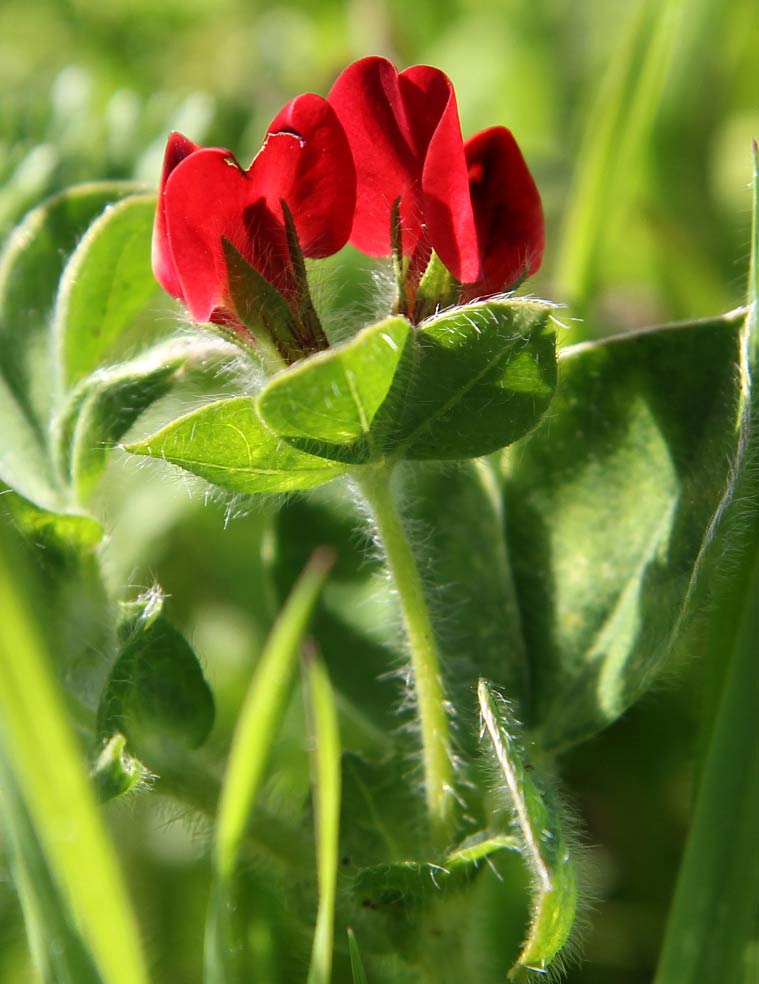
point(47, 769)
point(357, 964)
point(259, 720)
point(712, 931)
point(544, 843)
point(326, 780)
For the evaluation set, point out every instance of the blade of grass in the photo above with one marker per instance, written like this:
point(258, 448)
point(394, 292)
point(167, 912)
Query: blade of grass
point(357, 964)
point(42, 755)
point(259, 720)
point(326, 781)
point(609, 157)
point(712, 932)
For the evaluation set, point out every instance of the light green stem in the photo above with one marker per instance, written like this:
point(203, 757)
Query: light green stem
point(425, 660)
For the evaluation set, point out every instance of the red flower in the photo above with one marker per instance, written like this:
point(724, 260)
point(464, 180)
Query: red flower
point(205, 197)
point(475, 204)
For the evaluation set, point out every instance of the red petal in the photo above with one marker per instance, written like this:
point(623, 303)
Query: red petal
point(178, 148)
point(507, 211)
point(389, 119)
point(209, 197)
point(306, 160)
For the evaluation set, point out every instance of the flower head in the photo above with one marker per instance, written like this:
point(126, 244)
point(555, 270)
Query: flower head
point(475, 203)
point(304, 167)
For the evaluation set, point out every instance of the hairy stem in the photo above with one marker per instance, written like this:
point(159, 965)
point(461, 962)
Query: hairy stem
point(425, 661)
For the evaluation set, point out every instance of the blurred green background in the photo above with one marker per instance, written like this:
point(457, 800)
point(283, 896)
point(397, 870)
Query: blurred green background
point(636, 118)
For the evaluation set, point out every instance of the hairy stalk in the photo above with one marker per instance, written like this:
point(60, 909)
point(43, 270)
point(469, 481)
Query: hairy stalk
point(425, 661)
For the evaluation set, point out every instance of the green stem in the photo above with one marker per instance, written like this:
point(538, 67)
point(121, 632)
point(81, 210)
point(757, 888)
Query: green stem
point(425, 660)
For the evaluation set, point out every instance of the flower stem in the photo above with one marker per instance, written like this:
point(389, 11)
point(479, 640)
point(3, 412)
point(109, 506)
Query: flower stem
point(425, 660)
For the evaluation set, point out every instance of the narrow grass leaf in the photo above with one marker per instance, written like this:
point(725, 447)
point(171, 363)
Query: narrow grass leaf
point(326, 782)
point(545, 848)
point(712, 932)
point(357, 964)
point(46, 766)
point(256, 728)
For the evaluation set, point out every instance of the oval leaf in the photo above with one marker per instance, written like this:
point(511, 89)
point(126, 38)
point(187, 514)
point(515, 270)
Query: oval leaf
point(476, 378)
point(30, 268)
point(228, 444)
point(328, 403)
point(156, 694)
point(107, 282)
point(609, 508)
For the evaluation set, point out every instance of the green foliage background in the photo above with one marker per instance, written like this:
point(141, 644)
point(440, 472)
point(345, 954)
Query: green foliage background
point(636, 118)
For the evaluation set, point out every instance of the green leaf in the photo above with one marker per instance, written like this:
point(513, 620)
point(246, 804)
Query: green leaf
point(357, 964)
point(107, 282)
point(156, 694)
point(327, 404)
point(106, 404)
point(58, 952)
point(62, 536)
point(326, 780)
point(461, 560)
point(228, 444)
point(545, 848)
point(706, 938)
point(476, 378)
point(610, 506)
point(46, 765)
point(115, 772)
point(261, 308)
point(30, 268)
point(257, 726)
point(24, 464)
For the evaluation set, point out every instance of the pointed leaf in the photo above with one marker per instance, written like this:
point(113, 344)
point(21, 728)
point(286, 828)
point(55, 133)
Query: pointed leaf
point(328, 403)
point(228, 444)
point(107, 282)
point(545, 848)
point(24, 465)
point(477, 378)
point(106, 404)
point(30, 268)
point(609, 506)
point(48, 771)
point(156, 693)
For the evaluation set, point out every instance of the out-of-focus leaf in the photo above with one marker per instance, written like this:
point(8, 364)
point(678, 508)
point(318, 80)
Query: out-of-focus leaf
point(115, 771)
point(257, 725)
point(610, 506)
point(326, 782)
point(227, 443)
point(24, 465)
point(106, 404)
point(712, 931)
point(30, 268)
point(545, 849)
point(357, 964)
point(105, 284)
point(44, 759)
point(328, 404)
point(58, 951)
point(156, 693)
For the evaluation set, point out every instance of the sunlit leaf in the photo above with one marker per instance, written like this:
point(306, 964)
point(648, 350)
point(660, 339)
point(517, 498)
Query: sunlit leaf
point(609, 509)
point(106, 283)
point(228, 444)
point(540, 828)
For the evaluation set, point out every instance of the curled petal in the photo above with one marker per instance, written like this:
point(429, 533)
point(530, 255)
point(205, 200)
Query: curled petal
point(178, 148)
point(307, 162)
point(507, 211)
point(397, 124)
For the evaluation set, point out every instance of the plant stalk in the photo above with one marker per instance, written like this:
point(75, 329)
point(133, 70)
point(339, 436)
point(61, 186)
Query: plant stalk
point(429, 695)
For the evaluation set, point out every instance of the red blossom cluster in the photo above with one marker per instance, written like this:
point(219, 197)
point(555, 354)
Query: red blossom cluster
point(380, 163)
